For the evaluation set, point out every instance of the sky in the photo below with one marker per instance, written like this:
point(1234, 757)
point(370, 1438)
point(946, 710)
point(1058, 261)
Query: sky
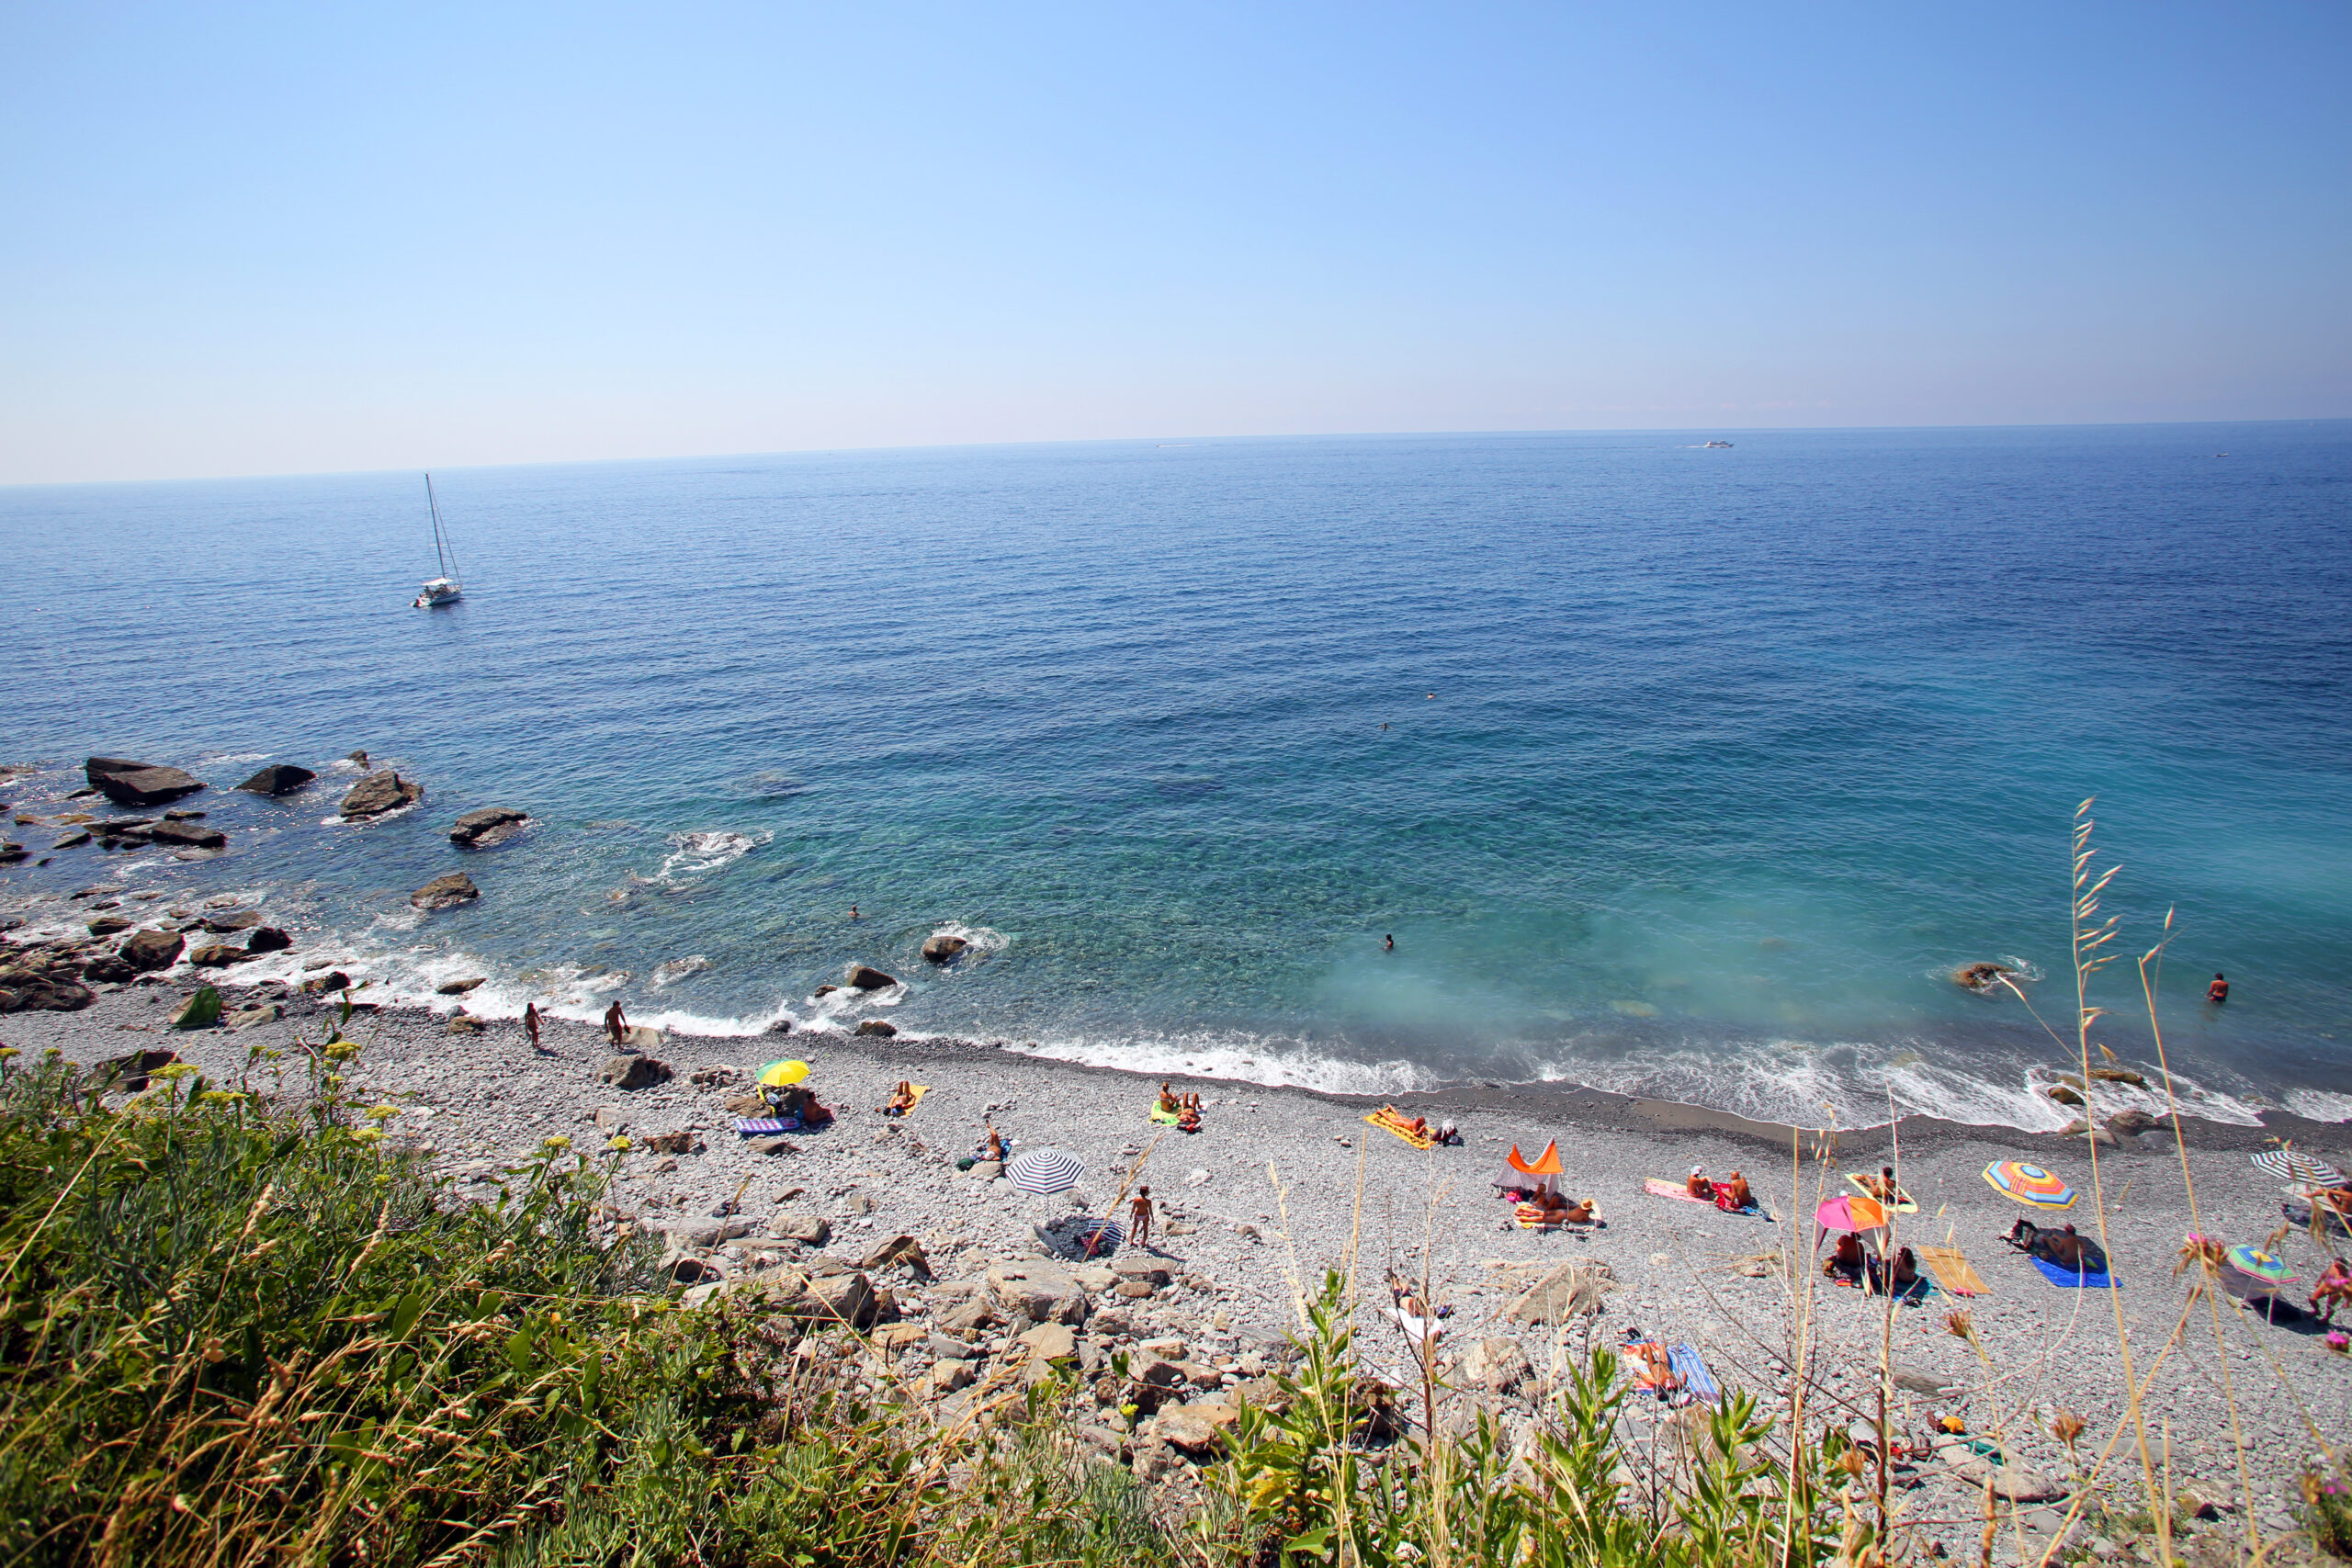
point(257, 239)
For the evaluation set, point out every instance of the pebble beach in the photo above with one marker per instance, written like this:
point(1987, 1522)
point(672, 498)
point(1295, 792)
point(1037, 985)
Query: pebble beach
point(1280, 1185)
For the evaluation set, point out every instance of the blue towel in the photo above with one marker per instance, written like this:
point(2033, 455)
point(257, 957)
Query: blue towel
point(1692, 1369)
point(761, 1128)
point(2071, 1281)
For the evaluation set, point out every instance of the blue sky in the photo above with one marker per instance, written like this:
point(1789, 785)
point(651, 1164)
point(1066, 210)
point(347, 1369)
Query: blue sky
point(268, 239)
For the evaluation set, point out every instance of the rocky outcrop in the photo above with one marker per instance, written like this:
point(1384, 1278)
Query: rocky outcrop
point(187, 835)
point(279, 778)
point(445, 892)
point(882, 1028)
point(28, 990)
point(490, 825)
point(635, 1072)
point(863, 978)
point(379, 793)
point(151, 949)
point(127, 783)
point(940, 949)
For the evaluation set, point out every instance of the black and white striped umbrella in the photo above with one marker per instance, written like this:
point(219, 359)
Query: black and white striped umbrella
point(1043, 1171)
point(2296, 1166)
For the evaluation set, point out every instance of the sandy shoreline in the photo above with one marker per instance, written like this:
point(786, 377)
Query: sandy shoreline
point(478, 1099)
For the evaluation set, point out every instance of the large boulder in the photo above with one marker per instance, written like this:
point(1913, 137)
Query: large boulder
point(152, 950)
point(279, 778)
point(635, 1072)
point(1040, 1290)
point(109, 925)
point(268, 939)
point(490, 825)
point(23, 991)
point(379, 793)
point(108, 968)
point(187, 835)
point(943, 947)
point(840, 1298)
point(863, 979)
point(138, 784)
point(881, 1028)
point(445, 892)
point(808, 1230)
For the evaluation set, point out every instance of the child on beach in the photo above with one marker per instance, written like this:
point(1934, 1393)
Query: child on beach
point(1140, 1218)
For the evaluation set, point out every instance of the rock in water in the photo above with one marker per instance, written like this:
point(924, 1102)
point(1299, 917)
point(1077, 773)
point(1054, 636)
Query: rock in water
point(268, 939)
point(138, 784)
point(152, 950)
point(189, 835)
point(108, 925)
point(108, 968)
point(219, 956)
point(459, 988)
point(445, 892)
point(379, 793)
point(865, 979)
point(491, 825)
point(878, 1026)
point(635, 1072)
point(202, 1012)
point(279, 778)
point(942, 948)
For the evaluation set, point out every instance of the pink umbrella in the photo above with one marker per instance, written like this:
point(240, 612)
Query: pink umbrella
point(1860, 1216)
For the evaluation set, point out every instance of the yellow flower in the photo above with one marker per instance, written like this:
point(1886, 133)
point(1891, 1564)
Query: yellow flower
point(369, 1134)
point(380, 1112)
point(620, 1144)
point(555, 1145)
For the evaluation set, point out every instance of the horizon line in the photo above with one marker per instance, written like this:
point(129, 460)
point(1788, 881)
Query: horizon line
point(880, 448)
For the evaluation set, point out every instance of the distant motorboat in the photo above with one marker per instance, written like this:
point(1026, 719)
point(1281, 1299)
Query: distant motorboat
point(445, 589)
point(1718, 444)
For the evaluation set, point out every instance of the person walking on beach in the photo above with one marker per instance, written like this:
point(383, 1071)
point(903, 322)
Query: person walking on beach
point(2218, 992)
point(1140, 1218)
point(531, 1026)
point(616, 1023)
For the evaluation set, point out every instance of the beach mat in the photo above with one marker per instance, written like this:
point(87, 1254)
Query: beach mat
point(2071, 1281)
point(1903, 1203)
point(1658, 1187)
point(1692, 1368)
point(766, 1126)
point(1390, 1120)
point(1953, 1273)
point(1166, 1118)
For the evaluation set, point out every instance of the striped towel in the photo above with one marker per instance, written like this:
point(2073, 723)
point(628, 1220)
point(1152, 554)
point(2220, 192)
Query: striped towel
point(1692, 1368)
point(761, 1127)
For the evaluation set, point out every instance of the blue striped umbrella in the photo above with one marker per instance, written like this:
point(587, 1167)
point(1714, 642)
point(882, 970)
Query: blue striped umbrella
point(1044, 1171)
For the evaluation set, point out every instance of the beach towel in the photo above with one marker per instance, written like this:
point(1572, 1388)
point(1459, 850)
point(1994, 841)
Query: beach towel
point(2071, 1281)
point(917, 1090)
point(1692, 1368)
point(1165, 1118)
point(1658, 1187)
point(1389, 1119)
point(1952, 1271)
point(762, 1126)
point(1903, 1201)
point(1532, 1218)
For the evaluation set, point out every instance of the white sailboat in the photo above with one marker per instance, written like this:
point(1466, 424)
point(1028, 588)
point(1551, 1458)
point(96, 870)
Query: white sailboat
point(445, 589)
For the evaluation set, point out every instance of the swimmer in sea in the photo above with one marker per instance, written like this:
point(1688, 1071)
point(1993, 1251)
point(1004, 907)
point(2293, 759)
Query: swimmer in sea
point(1390, 944)
point(2219, 992)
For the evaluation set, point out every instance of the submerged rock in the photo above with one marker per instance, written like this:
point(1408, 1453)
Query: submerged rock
point(187, 835)
point(940, 949)
point(268, 939)
point(863, 978)
point(279, 778)
point(379, 793)
point(445, 892)
point(138, 784)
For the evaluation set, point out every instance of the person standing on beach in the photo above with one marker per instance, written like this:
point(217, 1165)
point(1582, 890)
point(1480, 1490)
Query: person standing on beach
point(531, 1025)
point(2218, 992)
point(616, 1023)
point(1140, 1218)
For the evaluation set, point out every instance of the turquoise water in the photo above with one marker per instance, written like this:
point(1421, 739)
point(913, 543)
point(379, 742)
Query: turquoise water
point(1679, 771)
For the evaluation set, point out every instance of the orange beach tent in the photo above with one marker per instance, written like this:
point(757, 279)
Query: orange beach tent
point(1544, 1173)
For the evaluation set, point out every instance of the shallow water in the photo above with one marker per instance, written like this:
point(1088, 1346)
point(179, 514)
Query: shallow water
point(1676, 771)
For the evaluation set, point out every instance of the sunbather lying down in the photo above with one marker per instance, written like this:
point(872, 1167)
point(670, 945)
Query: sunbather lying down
point(1558, 1210)
point(902, 1100)
point(796, 1100)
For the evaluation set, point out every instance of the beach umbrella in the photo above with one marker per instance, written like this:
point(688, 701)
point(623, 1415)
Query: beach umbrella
point(2296, 1166)
point(1865, 1217)
point(783, 1075)
point(1040, 1172)
point(2030, 1184)
point(2254, 1263)
point(1542, 1175)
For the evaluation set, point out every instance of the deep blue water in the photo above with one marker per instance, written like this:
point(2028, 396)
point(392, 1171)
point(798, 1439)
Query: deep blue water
point(1686, 770)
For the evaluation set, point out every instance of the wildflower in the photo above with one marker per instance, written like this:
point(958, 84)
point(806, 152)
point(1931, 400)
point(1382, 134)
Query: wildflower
point(620, 1144)
point(554, 1146)
point(369, 1134)
point(9, 1051)
point(339, 1049)
point(379, 1112)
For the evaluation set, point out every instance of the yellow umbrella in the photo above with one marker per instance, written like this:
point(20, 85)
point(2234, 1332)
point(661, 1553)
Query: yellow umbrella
point(778, 1075)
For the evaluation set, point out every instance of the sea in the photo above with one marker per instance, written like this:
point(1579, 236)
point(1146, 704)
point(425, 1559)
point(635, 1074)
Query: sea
point(1367, 763)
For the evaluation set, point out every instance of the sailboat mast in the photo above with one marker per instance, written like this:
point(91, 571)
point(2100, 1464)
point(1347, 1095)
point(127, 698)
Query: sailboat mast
point(440, 552)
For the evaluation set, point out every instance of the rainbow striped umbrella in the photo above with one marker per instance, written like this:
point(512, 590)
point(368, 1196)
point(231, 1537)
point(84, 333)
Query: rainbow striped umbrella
point(2257, 1264)
point(2030, 1184)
